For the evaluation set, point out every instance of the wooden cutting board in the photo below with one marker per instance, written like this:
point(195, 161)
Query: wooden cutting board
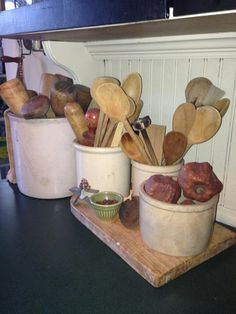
point(156, 268)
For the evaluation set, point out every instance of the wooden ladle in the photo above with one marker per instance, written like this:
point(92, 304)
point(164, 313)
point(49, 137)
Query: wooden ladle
point(132, 85)
point(115, 103)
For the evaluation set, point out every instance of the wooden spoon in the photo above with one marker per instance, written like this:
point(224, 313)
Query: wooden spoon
point(213, 95)
point(222, 106)
point(174, 146)
point(113, 123)
point(200, 91)
point(115, 103)
point(132, 85)
point(120, 128)
point(102, 119)
point(183, 118)
point(206, 124)
point(197, 89)
point(130, 148)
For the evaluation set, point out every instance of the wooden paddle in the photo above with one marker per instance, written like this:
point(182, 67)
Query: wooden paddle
point(156, 135)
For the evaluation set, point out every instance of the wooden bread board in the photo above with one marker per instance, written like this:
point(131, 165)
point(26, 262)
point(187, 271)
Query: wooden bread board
point(156, 268)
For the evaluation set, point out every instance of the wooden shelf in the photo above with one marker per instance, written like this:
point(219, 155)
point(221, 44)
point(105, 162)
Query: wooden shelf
point(74, 21)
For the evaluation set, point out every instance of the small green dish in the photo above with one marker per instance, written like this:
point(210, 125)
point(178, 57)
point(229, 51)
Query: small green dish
point(106, 211)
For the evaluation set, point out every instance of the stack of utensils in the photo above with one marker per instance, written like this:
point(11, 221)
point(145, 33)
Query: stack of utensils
point(194, 122)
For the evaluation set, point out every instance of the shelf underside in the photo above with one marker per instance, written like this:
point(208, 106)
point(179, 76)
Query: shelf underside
point(219, 23)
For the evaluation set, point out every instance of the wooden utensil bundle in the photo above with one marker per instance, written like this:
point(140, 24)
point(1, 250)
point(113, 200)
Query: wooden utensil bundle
point(194, 122)
point(111, 122)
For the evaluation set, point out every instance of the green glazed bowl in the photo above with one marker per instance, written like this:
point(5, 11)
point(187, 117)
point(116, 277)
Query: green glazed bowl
point(107, 211)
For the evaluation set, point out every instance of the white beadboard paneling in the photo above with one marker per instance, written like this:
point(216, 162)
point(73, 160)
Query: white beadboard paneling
point(166, 65)
point(157, 96)
point(164, 83)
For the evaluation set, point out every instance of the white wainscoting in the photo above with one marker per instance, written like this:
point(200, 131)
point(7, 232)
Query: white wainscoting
point(166, 64)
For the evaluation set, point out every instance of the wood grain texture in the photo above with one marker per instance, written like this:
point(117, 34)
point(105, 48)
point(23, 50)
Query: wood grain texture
point(156, 134)
point(158, 269)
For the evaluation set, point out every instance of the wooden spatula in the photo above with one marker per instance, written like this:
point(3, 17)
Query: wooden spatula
point(156, 135)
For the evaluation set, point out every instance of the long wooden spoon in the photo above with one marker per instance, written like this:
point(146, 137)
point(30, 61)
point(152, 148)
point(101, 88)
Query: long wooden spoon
point(102, 121)
point(207, 123)
point(120, 127)
point(112, 123)
point(132, 85)
point(183, 118)
point(115, 103)
point(130, 148)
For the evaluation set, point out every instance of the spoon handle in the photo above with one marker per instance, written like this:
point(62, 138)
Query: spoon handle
point(103, 130)
point(99, 128)
point(111, 126)
point(117, 135)
point(137, 141)
point(184, 153)
point(149, 147)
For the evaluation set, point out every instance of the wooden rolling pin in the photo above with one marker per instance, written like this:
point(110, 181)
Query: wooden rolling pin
point(14, 94)
point(75, 115)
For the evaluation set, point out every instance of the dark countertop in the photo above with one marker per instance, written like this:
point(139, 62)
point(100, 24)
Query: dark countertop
point(50, 263)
